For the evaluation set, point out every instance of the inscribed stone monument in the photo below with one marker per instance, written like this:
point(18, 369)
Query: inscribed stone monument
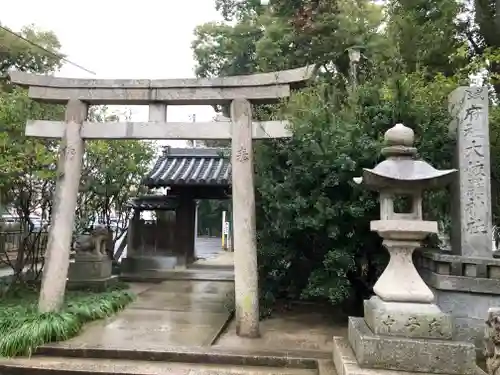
point(466, 281)
point(471, 229)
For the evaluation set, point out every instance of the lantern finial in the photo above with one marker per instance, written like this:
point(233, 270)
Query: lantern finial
point(399, 142)
point(399, 135)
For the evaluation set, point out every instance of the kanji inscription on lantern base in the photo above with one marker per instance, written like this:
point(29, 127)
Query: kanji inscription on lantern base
point(472, 215)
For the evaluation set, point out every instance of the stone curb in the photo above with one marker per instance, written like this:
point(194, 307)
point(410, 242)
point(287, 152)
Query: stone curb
point(295, 359)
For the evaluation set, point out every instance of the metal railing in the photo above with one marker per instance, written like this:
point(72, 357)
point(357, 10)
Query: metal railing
point(11, 241)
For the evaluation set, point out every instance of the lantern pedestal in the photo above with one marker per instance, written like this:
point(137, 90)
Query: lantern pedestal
point(400, 281)
point(365, 353)
point(405, 337)
point(402, 328)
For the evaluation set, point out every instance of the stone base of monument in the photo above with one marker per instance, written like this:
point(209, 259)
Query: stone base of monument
point(89, 271)
point(93, 285)
point(464, 287)
point(403, 337)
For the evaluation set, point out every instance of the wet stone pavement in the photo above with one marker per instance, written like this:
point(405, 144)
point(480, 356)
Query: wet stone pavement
point(172, 313)
point(208, 247)
point(183, 326)
point(305, 331)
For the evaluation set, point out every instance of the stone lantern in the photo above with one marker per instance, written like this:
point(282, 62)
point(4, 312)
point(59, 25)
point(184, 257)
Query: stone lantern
point(400, 181)
point(403, 329)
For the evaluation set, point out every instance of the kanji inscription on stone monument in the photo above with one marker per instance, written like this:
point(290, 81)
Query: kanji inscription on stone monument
point(471, 235)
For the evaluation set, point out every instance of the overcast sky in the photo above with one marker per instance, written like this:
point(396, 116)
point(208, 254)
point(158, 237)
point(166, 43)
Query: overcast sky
point(121, 39)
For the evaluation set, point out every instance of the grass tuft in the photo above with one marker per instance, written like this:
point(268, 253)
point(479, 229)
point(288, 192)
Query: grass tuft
point(23, 328)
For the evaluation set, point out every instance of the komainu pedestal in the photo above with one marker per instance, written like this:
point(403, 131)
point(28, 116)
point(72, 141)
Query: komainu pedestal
point(403, 329)
point(92, 267)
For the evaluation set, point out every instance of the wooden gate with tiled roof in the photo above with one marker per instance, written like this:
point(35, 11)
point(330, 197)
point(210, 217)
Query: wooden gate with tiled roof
point(203, 173)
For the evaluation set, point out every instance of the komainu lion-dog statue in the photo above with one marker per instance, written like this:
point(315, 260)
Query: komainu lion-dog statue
point(492, 341)
point(96, 243)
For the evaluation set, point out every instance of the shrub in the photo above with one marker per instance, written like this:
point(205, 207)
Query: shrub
point(23, 328)
point(313, 221)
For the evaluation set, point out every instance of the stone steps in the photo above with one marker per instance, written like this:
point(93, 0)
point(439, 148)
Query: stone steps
point(185, 274)
point(41, 365)
point(211, 267)
point(305, 359)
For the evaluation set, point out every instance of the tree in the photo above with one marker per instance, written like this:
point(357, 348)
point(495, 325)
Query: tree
point(26, 182)
point(290, 35)
point(210, 215)
point(110, 170)
point(219, 37)
point(313, 222)
point(16, 53)
point(15, 107)
point(483, 28)
point(29, 167)
point(28, 164)
point(427, 35)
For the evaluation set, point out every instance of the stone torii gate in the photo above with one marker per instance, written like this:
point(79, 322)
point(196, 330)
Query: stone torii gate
point(238, 91)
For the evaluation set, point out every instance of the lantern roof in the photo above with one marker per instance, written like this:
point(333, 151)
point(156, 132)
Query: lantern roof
point(401, 171)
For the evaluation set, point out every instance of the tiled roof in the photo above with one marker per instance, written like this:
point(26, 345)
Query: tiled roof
point(154, 202)
point(190, 166)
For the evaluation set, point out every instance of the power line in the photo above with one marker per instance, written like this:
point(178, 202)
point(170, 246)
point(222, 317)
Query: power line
point(17, 35)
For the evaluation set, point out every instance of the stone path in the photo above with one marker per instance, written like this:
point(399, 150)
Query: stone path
point(222, 260)
point(182, 326)
point(208, 247)
point(172, 313)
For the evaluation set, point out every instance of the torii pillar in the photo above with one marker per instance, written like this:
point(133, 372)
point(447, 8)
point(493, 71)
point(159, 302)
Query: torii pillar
point(245, 241)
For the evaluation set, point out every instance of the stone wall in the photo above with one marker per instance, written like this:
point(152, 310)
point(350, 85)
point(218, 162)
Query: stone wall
point(465, 287)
